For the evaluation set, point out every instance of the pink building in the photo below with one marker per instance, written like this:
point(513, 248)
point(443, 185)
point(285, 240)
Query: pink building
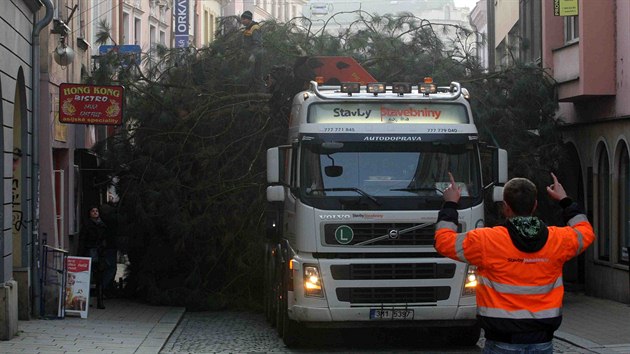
point(588, 56)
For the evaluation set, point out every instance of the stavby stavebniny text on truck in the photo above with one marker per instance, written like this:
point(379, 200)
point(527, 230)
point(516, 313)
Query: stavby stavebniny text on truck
point(353, 200)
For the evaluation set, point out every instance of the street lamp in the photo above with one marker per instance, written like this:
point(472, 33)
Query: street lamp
point(63, 54)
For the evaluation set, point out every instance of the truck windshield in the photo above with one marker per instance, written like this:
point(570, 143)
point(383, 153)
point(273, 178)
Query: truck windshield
point(388, 173)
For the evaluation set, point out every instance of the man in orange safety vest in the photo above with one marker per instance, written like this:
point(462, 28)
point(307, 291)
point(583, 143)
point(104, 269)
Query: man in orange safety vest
point(519, 264)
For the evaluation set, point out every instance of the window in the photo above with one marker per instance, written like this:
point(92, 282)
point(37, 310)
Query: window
point(127, 37)
point(99, 12)
point(137, 31)
point(571, 29)
point(624, 205)
point(603, 206)
point(153, 36)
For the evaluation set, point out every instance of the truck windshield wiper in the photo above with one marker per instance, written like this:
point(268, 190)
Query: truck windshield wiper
point(417, 189)
point(348, 189)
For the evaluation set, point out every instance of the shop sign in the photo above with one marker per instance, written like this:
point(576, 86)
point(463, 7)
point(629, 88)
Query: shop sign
point(180, 14)
point(565, 8)
point(90, 104)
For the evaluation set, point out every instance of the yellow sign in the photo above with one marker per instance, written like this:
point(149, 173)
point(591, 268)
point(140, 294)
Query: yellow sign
point(565, 8)
point(60, 129)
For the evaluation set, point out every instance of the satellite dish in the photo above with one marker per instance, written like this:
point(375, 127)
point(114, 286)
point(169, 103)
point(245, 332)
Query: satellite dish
point(63, 55)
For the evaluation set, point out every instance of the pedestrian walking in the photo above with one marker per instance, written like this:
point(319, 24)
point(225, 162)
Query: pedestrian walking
point(94, 238)
point(519, 264)
point(253, 45)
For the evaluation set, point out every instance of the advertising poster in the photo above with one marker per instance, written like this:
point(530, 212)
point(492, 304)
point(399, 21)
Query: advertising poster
point(78, 285)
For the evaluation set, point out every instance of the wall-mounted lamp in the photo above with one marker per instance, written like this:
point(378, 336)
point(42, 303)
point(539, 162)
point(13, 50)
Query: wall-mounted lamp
point(63, 54)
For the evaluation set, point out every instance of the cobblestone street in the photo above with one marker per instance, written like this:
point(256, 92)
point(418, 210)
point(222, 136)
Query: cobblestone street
point(244, 332)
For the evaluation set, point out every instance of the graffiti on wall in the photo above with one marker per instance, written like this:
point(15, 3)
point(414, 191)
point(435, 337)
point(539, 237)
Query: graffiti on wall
point(17, 220)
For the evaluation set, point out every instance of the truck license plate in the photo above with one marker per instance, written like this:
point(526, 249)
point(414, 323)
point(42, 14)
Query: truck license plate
point(391, 314)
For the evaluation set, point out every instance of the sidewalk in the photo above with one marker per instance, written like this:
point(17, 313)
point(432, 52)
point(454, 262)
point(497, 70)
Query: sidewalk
point(599, 325)
point(122, 327)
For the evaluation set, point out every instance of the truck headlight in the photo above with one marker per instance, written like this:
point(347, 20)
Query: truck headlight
point(312, 281)
point(470, 282)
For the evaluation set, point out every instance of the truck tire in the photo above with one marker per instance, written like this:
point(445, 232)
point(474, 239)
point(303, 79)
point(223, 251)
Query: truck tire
point(267, 285)
point(269, 289)
point(292, 331)
point(281, 308)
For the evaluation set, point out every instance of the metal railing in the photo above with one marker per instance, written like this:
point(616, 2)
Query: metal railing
point(53, 282)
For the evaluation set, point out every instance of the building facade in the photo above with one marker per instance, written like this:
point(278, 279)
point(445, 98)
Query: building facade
point(20, 27)
point(279, 10)
point(479, 23)
point(338, 16)
point(587, 56)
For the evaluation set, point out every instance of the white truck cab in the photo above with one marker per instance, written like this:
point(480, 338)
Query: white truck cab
point(354, 197)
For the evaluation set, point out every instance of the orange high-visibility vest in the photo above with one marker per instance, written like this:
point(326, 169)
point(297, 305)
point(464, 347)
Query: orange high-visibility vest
point(514, 284)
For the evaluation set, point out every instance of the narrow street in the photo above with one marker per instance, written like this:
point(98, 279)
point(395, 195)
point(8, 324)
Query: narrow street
point(245, 332)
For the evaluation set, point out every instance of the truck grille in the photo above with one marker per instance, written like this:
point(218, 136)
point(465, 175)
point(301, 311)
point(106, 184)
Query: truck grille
point(393, 295)
point(393, 271)
point(362, 232)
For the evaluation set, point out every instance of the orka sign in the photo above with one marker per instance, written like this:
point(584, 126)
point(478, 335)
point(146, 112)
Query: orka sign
point(180, 13)
point(90, 104)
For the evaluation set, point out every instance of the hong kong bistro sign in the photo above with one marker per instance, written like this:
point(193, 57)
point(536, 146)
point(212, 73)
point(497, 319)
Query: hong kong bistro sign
point(90, 104)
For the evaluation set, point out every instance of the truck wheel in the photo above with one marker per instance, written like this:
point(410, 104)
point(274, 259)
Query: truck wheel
point(292, 331)
point(281, 308)
point(270, 289)
point(267, 284)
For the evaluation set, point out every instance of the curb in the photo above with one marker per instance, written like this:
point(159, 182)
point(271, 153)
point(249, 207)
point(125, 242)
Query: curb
point(160, 333)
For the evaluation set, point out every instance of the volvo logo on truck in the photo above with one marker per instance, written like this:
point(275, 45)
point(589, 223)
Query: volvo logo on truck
point(335, 217)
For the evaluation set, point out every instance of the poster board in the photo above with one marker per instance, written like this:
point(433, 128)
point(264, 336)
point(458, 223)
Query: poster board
point(78, 285)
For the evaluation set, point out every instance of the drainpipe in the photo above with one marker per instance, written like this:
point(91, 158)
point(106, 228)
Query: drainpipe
point(35, 244)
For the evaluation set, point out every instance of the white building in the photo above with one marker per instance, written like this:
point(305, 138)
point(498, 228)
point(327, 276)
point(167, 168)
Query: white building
point(337, 16)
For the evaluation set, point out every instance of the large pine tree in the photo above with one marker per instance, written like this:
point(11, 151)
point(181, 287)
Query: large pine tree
point(191, 156)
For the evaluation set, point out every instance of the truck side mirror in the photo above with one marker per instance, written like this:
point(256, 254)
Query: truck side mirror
point(497, 194)
point(273, 165)
point(277, 160)
point(275, 193)
point(500, 166)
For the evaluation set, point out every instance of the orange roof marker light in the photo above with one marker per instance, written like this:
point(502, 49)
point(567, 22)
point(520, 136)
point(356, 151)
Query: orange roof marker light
point(375, 88)
point(427, 86)
point(319, 80)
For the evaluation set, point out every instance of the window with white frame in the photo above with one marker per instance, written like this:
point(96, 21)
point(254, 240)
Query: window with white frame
point(623, 198)
point(603, 205)
point(153, 36)
point(127, 36)
point(571, 29)
point(137, 31)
